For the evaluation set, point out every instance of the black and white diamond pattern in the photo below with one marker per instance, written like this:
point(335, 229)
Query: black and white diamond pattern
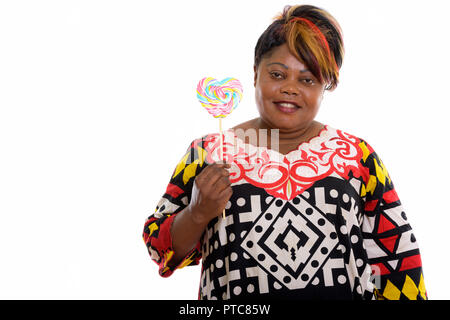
point(289, 241)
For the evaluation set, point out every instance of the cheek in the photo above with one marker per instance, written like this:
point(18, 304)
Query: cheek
point(261, 99)
point(259, 94)
point(265, 92)
point(314, 98)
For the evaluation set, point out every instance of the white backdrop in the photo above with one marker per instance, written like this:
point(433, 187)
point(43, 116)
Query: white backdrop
point(97, 106)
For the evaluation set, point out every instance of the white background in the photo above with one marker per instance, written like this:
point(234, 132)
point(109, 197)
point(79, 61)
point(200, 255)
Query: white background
point(97, 106)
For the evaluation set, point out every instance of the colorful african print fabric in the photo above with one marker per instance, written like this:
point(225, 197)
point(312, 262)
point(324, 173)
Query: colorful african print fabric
point(321, 222)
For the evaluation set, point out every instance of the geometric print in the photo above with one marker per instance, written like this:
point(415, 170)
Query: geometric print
point(392, 248)
point(291, 249)
point(345, 235)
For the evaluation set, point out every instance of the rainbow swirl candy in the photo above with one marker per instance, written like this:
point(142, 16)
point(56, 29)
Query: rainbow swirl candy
point(219, 97)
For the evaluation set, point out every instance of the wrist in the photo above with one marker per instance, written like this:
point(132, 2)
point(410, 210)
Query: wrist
point(196, 216)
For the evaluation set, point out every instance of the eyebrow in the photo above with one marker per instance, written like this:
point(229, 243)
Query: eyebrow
point(286, 67)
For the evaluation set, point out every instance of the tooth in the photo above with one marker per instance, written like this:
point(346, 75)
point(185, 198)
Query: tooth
point(287, 105)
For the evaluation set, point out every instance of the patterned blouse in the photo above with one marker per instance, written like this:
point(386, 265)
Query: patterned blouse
point(321, 222)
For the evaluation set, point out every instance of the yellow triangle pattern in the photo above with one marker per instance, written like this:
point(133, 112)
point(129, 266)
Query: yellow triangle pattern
point(365, 150)
point(201, 155)
point(391, 292)
point(363, 191)
point(381, 172)
point(181, 165)
point(189, 170)
point(409, 289)
point(371, 185)
point(422, 290)
point(381, 175)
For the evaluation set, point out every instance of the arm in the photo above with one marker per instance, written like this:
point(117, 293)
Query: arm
point(194, 196)
point(388, 238)
point(210, 194)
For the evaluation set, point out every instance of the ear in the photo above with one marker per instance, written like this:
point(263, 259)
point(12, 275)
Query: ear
point(332, 89)
point(255, 73)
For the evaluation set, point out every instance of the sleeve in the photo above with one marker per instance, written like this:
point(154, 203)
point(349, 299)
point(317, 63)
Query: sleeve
point(177, 196)
point(390, 244)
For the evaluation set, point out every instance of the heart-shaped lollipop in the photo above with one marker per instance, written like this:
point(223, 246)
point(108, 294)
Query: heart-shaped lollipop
point(219, 98)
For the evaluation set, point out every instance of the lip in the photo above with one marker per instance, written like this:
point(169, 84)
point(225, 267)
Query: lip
point(285, 109)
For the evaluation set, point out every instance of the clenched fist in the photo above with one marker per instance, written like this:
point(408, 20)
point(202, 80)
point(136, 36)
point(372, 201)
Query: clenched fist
point(210, 193)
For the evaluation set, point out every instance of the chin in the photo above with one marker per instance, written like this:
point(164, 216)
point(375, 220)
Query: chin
point(285, 126)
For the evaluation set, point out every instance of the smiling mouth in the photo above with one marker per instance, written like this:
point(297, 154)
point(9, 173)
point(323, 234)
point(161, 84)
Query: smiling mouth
point(286, 107)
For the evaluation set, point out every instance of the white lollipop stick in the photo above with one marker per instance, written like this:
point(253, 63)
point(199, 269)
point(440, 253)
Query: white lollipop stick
point(221, 151)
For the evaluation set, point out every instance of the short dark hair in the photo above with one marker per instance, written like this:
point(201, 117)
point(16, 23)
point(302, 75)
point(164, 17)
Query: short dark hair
point(312, 35)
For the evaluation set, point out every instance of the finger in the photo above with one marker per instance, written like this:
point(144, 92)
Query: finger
point(215, 166)
point(207, 172)
point(215, 182)
point(226, 193)
point(222, 164)
point(222, 183)
point(214, 173)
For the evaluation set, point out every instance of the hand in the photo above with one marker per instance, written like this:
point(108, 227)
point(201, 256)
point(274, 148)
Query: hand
point(210, 193)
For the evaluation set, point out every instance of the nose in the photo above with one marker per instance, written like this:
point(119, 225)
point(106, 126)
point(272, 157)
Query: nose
point(290, 88)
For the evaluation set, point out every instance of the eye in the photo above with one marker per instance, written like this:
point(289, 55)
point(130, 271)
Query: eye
point(307, 81)
point(276, 75)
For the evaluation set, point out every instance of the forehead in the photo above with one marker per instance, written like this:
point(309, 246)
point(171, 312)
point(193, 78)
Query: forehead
point(281, 54)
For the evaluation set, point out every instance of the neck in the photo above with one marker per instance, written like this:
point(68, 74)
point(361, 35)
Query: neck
point(293, 136)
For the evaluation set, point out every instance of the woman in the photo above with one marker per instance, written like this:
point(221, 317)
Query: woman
point(315, 216)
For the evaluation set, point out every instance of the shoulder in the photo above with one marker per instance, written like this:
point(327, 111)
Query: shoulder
point(367, 155)
point(364, 148)
point(346, 135)
point(205, 149)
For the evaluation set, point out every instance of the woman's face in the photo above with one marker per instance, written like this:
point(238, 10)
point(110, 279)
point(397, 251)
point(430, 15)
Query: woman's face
point(287, 94)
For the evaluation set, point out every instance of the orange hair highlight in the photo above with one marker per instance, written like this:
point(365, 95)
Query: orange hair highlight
point(312, 35)
point(313, 46)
